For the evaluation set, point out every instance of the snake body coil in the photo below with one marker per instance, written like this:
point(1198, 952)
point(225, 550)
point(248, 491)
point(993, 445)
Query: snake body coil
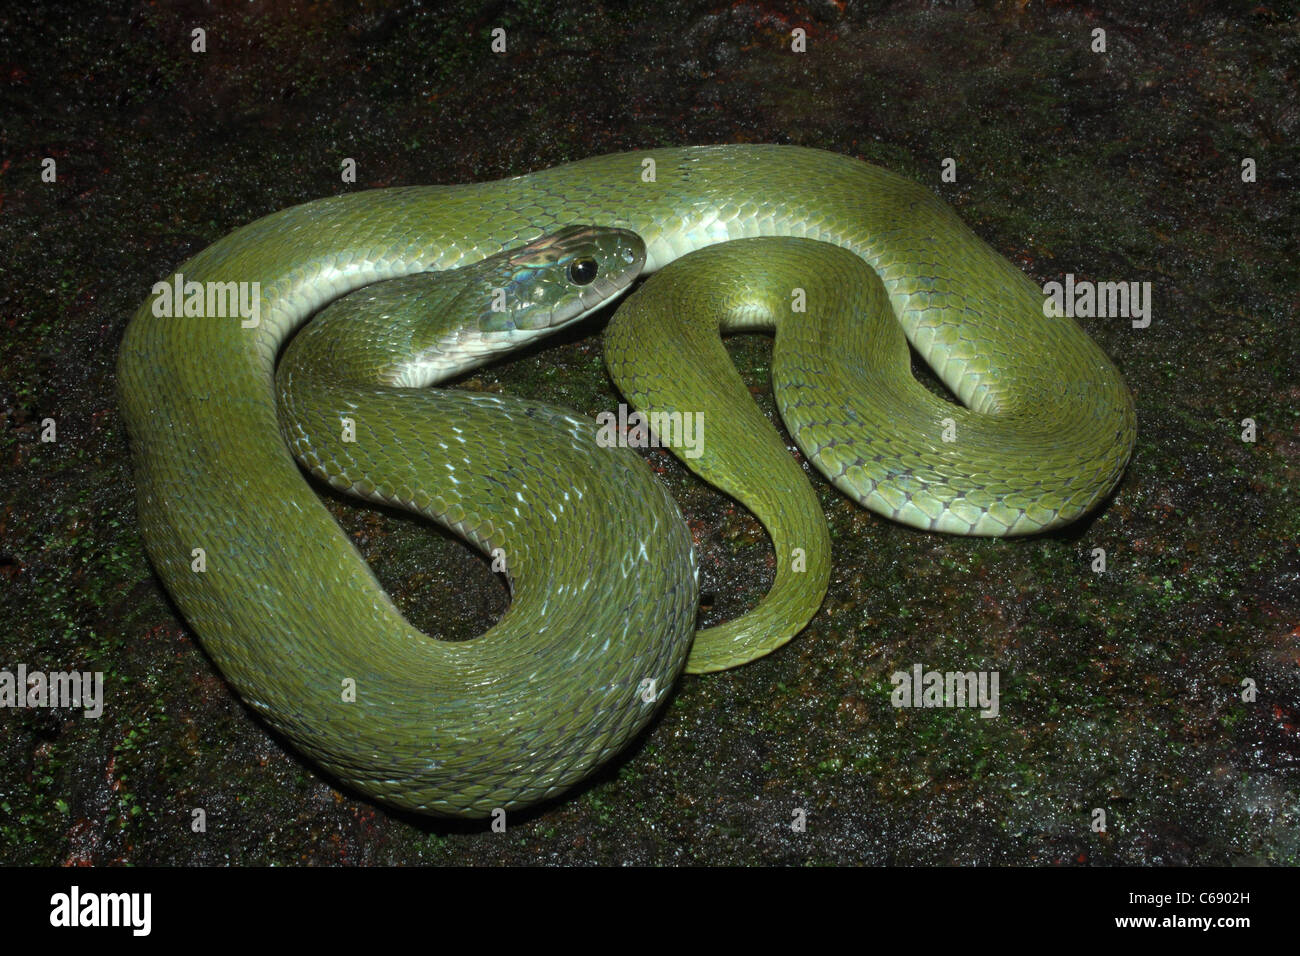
point(290, 611)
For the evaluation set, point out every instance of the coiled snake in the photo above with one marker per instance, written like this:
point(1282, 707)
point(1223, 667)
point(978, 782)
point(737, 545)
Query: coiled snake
point(603, 581)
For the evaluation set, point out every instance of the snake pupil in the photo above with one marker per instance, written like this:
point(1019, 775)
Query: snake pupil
point(582, 271)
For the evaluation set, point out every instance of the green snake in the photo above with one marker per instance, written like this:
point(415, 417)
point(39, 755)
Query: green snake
point(603, 583)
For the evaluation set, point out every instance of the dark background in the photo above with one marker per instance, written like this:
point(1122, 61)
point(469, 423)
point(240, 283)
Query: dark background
point(1120, 691)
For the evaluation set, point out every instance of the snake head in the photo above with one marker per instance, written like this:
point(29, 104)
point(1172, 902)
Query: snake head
point(553, 280)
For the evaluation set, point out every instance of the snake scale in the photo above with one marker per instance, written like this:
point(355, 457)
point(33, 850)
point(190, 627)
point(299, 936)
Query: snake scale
point(603, 581)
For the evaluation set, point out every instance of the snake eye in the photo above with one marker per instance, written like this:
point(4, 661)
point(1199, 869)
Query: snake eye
point(582, 271)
